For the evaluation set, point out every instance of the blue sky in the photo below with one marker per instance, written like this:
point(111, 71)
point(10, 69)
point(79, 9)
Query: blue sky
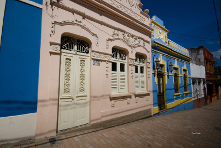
point(186, 18)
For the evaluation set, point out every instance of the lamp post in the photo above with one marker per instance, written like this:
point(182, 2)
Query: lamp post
point(171, 67)
point(157, 61)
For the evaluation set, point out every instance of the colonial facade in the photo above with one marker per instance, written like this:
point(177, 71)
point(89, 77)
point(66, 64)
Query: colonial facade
point(171, 73)
point(198, 76)
point(212, 90)
point(94, 63)
point(20, 30)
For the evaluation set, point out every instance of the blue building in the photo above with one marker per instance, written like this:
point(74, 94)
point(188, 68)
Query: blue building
point(20, 41)
point(171, 72)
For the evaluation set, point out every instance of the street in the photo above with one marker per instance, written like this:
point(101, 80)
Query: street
point(198, 127)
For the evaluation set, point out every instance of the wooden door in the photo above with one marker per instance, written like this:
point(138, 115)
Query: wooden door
point(74, 89)
point(160, 92)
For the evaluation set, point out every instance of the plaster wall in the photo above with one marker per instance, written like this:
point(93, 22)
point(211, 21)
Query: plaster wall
point(197, 71)
point(95, 27)
point(19, 58)
point(15, 128)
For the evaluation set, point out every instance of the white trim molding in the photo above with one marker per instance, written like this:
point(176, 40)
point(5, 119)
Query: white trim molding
point(2, 12)
point(31, 3)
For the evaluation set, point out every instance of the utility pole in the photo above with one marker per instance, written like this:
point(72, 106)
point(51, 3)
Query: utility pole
point(217, 22)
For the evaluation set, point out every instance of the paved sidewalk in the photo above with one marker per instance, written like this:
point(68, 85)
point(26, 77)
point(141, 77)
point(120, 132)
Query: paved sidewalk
point(196, 128)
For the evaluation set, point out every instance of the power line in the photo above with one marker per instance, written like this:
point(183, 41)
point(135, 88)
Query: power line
point(194, 36)
point(217, 21)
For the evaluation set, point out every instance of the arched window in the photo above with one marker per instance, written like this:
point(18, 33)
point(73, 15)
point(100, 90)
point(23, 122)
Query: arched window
point(76, 45)
point(119, 71)
point(140, 73)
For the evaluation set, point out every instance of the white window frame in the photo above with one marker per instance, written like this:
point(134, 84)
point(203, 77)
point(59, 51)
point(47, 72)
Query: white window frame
point(119, 79)
point(140, 77)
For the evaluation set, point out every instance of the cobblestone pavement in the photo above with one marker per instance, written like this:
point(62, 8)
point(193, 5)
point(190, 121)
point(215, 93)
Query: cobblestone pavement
point(196, 128)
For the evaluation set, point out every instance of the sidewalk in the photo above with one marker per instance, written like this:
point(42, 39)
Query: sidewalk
point(197, 128)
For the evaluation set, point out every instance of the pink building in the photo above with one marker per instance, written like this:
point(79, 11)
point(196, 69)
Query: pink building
point(94, 63)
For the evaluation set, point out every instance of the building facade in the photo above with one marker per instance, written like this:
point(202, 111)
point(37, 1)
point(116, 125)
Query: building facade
point(94, 63)
point(198, 76)
point(20, 41)
point(171, 73)
point(212, 91)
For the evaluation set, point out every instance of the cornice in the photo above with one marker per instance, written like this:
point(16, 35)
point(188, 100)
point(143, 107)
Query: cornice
point(141, 26)
point(170, 50)
point(152, 21)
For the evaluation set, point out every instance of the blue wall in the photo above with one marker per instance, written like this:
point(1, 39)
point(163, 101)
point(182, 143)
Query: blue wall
point(170, 84)
point(19, 58)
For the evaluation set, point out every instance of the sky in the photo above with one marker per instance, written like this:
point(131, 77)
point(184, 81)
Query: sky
point(192, 23)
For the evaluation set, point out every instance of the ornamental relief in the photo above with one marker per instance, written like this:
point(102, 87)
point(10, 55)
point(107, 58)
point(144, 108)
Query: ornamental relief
point(128, 11)
point(69, 22)
point(67, 76)
point(102, 56)
point(82, 76)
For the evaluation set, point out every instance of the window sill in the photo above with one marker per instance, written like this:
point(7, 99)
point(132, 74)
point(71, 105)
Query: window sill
point(139, 94)
point(187, 92)
point(177, 94)
point(120, 96)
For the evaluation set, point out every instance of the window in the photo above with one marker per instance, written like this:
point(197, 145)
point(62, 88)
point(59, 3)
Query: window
point(140, 77)
point(119, 71)
point(185, 80)
point(176, 85)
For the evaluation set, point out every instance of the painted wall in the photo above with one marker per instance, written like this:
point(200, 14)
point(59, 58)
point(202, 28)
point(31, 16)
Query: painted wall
point(197, 71)
point(103, 31)
point(2, 12)
point(19, 63)
point(168, 51)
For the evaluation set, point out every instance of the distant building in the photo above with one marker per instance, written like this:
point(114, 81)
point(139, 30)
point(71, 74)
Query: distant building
point(198, 76)
point(171, 73)
point(212, 90)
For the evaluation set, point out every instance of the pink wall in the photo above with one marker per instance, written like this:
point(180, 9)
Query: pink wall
point(100, 84)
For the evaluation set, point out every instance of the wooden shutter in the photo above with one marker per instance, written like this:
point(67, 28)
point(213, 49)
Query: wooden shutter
point(114, 82)
point(185, 84)
point(122, 82)
point(175, 83)
point(142, 82)
point(137, 81)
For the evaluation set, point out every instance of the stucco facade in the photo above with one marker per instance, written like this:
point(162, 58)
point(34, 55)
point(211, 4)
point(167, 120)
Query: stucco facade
point(198, 76)
point(172, 77)
point(20, 41)
point(94, 63)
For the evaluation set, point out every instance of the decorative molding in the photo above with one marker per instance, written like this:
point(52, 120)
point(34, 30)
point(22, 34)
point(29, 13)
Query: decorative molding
point(132, 3)
point(67, 76)
point(132, 73)
point(101, 56)
point(107, 44)
point(128, 101)
point(127, 11)
point(115, 33)
point(71, 22)
point(135, 41)
point(55, 47)
point(97, 41)
point(52, 28)
point(82, 76)
point(131, 61)
point(107, 67)
point(146, 29)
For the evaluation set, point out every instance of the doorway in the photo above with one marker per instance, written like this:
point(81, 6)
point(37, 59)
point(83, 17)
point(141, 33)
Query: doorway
point(74, 83)
point(160, 91)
